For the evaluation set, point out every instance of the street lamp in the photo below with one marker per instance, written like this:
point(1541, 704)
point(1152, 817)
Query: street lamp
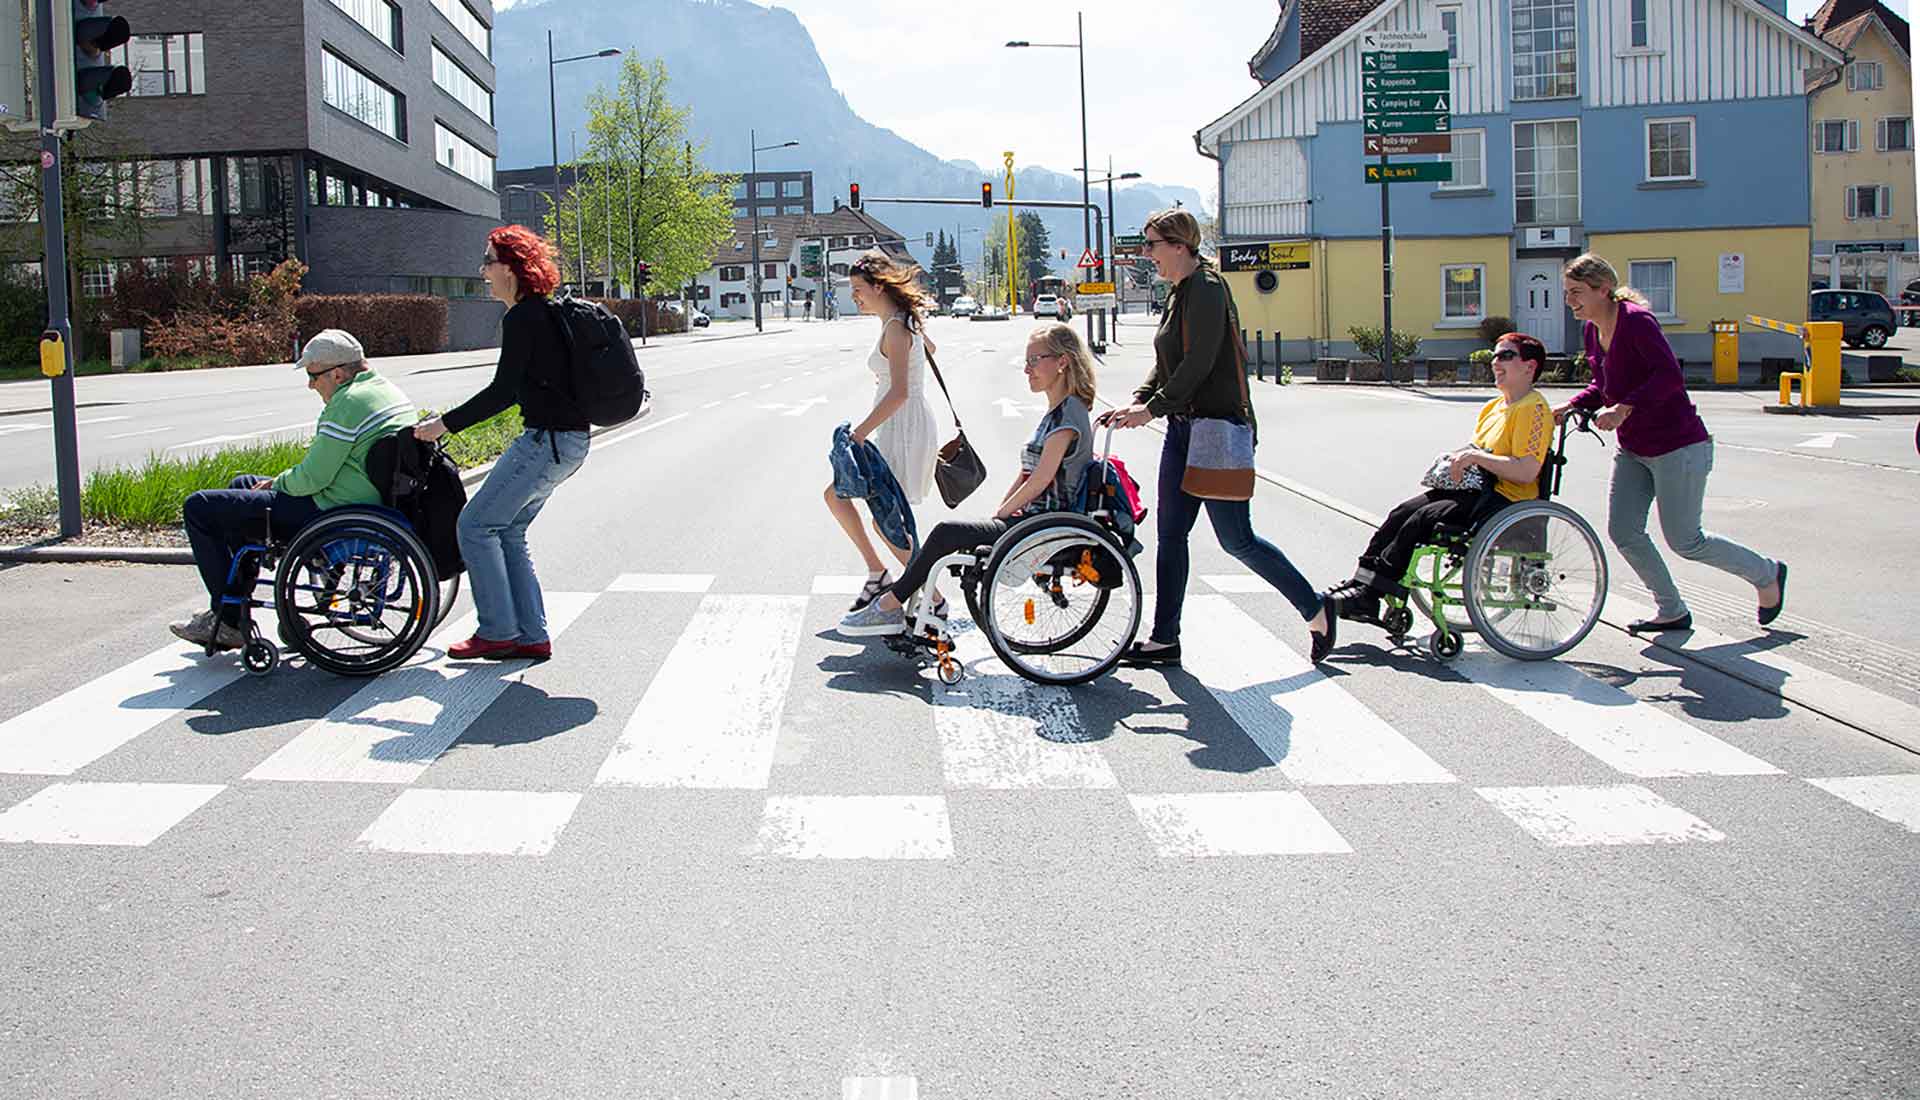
point(553, 124)
point(1086, 189)
point(753, 203)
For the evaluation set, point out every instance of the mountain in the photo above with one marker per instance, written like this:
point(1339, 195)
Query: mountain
point(741, 67)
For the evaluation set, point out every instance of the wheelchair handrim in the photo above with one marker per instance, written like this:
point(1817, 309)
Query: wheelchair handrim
point(1062, 628)
point(1536, 581)
point(357, 596)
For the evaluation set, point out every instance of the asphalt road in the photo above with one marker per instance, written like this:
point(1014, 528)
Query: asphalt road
point(715, 850)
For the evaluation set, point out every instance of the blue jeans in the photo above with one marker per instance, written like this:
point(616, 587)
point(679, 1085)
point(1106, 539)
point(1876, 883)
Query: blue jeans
point(220, 521)
point(1232, 523)
point(1678, 481)
point(493, 533)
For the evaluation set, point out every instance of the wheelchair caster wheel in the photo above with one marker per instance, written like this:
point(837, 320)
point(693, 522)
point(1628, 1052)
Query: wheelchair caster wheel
point(1398, 621)
point(1444, 647)
point(949, 671)
point(259, 657)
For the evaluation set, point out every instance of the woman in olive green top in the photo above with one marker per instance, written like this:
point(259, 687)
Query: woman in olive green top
point(1198, 372)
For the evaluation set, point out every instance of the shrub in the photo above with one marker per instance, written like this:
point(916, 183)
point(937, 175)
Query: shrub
point(386, 324)
point(1367, 341)
point(1493, 328)
point(658, 320)
point(261, 331)
point(23, 315)
point(1483, 356)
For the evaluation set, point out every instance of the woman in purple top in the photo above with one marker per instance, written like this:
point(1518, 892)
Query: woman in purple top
point(1665, 452)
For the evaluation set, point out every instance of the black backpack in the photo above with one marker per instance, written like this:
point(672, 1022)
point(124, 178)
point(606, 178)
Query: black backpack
point(420, 481)
point(603, 376)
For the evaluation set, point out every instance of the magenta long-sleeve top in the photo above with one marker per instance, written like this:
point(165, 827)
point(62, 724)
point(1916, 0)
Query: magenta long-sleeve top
point(1640, 370)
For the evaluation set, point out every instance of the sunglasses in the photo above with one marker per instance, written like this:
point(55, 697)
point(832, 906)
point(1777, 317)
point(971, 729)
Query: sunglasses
point(489, 260)
point(1152, 243)
point(1503, 356)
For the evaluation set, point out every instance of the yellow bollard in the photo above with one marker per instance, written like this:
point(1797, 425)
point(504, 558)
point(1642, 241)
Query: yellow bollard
point(1726, 352)
point(1821, 387)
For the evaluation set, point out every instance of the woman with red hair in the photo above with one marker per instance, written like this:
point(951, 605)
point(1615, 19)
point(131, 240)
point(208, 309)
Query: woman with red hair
point(1511, 440)
point(520, 272)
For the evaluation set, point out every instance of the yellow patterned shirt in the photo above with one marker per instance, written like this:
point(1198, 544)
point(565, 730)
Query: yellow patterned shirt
point(1523, 429)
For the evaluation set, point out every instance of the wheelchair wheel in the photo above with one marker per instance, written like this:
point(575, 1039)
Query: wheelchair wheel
point(1060, 600)
point(356, 593)
point(1536, 580)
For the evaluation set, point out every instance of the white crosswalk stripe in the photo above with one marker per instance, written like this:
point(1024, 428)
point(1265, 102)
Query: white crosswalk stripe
point(710, 719)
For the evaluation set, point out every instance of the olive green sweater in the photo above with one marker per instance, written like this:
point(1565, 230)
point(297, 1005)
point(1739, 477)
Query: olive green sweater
point(1199, 373)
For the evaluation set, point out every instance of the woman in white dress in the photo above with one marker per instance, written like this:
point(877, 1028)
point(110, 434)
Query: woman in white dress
point(902, 425)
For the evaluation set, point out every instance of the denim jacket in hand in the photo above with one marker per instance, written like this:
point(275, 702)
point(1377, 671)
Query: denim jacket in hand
point(860, 473)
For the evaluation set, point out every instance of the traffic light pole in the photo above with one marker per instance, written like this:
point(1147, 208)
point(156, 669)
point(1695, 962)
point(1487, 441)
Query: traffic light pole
point(53, 226)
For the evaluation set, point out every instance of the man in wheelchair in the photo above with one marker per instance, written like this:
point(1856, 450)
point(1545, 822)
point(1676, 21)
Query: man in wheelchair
point(360, 407)
point(1511, 440)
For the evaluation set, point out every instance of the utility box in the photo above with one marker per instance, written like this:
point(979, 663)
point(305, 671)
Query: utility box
point(124, 347)
point(1726, 352)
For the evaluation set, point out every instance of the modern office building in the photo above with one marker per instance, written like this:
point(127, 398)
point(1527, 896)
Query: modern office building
point(354, 135)
point(775, 193)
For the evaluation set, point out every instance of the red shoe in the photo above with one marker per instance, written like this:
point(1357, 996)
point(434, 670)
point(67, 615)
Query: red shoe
point(477, 646)
point(533, 651)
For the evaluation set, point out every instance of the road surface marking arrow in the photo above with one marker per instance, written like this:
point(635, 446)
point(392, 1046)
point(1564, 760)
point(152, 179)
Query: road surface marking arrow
point(798, 408)
point(1824, 441)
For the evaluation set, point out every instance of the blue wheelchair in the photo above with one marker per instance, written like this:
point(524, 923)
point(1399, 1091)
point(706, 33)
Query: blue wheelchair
point(1057, 596)
point(355, 593)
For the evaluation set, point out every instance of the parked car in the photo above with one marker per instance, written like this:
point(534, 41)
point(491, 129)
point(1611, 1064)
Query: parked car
point(1911, 297)
point(964, 306)
point(695, 317)
point(1867, 318)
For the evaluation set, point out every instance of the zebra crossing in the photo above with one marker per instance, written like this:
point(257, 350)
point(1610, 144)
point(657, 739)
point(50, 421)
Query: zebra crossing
point(711, 718)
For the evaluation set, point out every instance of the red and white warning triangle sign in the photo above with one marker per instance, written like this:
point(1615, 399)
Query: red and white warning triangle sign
point(1088, 259)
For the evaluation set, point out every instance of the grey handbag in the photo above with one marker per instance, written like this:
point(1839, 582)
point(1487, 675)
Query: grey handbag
point(1440, 476)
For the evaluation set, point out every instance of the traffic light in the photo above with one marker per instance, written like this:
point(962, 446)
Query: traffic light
point(853, 195)
point(84, 32)
point(641, 270)
point(986, 194)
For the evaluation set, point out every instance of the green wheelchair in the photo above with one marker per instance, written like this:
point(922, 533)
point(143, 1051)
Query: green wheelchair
point(1530, 578)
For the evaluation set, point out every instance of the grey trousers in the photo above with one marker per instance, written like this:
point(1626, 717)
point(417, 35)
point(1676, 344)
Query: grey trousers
point(1678, 480)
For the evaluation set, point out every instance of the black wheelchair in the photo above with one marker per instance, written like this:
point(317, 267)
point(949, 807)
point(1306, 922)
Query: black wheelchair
point(1057, 596)
point(1530, 576)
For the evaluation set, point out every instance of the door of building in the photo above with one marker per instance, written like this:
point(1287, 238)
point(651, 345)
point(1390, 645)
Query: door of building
point(1539, 310)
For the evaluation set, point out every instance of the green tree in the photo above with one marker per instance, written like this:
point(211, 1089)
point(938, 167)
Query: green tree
point(946, 268)
point(642, 194)
point(1035, 247)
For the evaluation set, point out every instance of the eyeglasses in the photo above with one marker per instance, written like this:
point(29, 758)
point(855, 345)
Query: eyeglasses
point(1506, 354)
point(1153, 242)
point(489, 260)
point(1033, 359)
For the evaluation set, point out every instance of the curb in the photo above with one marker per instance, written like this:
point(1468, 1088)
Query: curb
point(1863, 711)
point(179, 555)
point(1842, 410)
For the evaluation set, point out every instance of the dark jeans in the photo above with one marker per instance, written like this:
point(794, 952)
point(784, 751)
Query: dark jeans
point(1410, 525)
point(1232, 524)
point(946, 538)
point(220, 521)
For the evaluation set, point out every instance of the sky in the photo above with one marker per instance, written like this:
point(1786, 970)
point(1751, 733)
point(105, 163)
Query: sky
point(1156, 72)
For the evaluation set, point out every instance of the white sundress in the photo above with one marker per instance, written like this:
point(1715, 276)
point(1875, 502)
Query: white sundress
point(909, 439)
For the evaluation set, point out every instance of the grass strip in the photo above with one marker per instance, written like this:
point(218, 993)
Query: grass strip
point(150, 495)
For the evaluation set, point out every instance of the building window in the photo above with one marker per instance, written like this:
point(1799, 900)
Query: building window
point(1546, 172)
point(733, 274)
point(1869, 201)
point(1463, 289)
point(1654, 278)
point(165, 64)
point(794, 189)
point(1894, 135)
point(769, 271)
point(468, 24)
point(1468, 159)
point(169, 188)
point(1836, 135)
point(461, 155)
point(337, 191)
point(763, 189)
point(461, 85)
point(446, 286)
point(96, 279)
point(739, 190)
point(1639, 27)
point(379, 17)
point(1865, 76)
point(866, 241)
point(795, 209)
point(1669, 149)
point(254, 186)
point(1450, 23)
point(1546, 49)
point(360, 96)
point(732, 299)
point(839, 269)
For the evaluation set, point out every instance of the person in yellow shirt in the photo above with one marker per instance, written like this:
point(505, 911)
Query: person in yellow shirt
point(1511, 440)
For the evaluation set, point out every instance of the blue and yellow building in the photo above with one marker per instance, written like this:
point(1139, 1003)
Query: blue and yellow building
point(1666, 135)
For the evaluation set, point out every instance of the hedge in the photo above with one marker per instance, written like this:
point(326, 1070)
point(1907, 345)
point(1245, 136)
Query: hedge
point(658, 320)
point(386, 324)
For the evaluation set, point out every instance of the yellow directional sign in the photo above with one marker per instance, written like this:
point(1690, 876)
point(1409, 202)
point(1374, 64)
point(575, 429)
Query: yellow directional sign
point(1094, 288)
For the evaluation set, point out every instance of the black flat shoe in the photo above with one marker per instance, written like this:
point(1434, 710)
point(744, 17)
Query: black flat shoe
point(1138, 656)
point(1323, 643)
point(1656, 626)
point(1768, 614)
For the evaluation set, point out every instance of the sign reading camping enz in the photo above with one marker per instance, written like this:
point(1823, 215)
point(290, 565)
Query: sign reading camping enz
point(1266, 256)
